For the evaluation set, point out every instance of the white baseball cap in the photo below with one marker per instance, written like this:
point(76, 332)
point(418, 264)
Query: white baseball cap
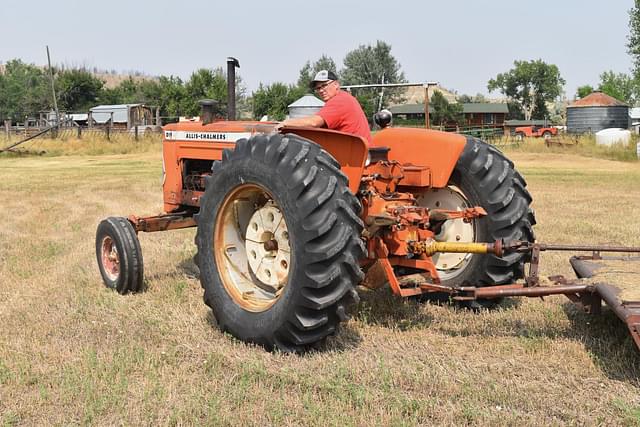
point(323, 76)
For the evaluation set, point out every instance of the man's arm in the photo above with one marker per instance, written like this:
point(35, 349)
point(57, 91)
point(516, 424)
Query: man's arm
point(309, 121)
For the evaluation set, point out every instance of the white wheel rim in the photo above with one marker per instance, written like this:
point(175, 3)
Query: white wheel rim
point(450, 265)
point(251, 248)
point(269, 265)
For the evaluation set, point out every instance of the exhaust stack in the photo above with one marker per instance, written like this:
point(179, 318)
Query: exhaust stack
point(208, 110)
point(232, 63)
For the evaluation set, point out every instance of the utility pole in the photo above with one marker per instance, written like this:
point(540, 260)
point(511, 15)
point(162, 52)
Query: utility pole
point(381, 94)
point(426, 102)
point(53, 91)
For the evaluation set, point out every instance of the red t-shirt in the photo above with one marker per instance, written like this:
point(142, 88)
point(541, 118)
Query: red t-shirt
point(343, 113)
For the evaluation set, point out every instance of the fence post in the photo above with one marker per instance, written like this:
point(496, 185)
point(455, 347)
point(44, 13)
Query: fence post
point(7, 126)
point(109, 127)
point(79, 132)
point(136, 132)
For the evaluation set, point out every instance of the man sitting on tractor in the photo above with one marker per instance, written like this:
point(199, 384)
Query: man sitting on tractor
point(341, 110)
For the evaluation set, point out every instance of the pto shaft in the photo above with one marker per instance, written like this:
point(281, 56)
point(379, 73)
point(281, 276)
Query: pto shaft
point(431, 247)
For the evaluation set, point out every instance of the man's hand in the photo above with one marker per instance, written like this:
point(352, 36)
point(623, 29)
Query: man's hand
point(280, 125)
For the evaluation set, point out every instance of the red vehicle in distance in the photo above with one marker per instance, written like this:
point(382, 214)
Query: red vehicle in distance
point(535, 132)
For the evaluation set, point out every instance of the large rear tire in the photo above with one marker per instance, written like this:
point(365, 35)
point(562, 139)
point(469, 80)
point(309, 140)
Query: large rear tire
point(483, 177)
point(279, 242)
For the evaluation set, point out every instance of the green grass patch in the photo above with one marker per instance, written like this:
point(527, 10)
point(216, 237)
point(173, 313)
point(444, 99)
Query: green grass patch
point(73, 352)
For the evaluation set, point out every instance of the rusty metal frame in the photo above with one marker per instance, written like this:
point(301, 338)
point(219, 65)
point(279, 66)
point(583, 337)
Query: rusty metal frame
point(627, 311)
point(164, 222)
point(588, 296)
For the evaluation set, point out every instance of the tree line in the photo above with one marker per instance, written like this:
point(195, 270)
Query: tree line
point(529, 86)
point(25, 88)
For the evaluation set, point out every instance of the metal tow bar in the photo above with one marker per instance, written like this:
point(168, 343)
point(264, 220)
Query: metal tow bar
point(623, 300)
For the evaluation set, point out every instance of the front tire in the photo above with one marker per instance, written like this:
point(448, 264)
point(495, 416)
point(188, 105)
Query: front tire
point(279, 243)
point(119, 255)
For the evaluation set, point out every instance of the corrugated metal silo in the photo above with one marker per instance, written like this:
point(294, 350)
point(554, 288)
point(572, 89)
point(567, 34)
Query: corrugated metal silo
point(305, 106)
point(596, 112)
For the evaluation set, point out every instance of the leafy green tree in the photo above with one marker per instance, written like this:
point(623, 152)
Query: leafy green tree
point(515, 111)
point(273, 100)
point(584, 91)
point(77, 90)
point(175, 97)
point(309, 70)
point(24, 91)
point(371, 64)
point(618, 85)
point(127, 92)
point(205, 84)
point(633, 40)
point(209, 84)
point(171, 96)
point(443, 111)
point(530, 84)
point(468, 99)
point(465, 99)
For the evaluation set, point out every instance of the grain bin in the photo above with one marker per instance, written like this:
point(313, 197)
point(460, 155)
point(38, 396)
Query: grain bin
point(596, 112)
point(305, 106)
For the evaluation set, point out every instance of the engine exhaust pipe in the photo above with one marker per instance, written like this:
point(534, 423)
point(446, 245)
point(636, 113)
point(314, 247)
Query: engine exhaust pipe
point(232, 63)
point(208, 110)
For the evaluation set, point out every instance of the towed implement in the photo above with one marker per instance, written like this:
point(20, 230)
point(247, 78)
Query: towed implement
point(289, 222)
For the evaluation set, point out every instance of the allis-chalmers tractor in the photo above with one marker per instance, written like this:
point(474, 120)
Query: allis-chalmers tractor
point(289, 222)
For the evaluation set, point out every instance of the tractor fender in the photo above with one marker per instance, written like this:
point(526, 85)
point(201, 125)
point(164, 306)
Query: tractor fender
point(350, 151)
point(438, 151)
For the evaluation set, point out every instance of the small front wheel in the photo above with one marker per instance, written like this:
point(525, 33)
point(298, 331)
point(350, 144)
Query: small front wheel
point(119, 255)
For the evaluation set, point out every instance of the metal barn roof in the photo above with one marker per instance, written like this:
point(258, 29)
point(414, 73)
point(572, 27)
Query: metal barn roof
point(598, 99)
point(484, 107)
point(102, 113)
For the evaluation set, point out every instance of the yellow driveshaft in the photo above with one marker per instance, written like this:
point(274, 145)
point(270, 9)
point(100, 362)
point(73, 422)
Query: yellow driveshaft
point(431, 247)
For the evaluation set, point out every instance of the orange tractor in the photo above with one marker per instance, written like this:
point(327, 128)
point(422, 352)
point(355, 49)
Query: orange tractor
point(290, 222)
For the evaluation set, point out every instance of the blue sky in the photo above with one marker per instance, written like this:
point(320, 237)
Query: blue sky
point(461, 44)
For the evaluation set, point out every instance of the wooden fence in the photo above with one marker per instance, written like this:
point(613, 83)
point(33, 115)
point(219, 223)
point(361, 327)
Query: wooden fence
point(17, 133)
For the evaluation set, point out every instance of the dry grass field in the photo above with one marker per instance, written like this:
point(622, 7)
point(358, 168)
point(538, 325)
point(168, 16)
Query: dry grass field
point(73, 352)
